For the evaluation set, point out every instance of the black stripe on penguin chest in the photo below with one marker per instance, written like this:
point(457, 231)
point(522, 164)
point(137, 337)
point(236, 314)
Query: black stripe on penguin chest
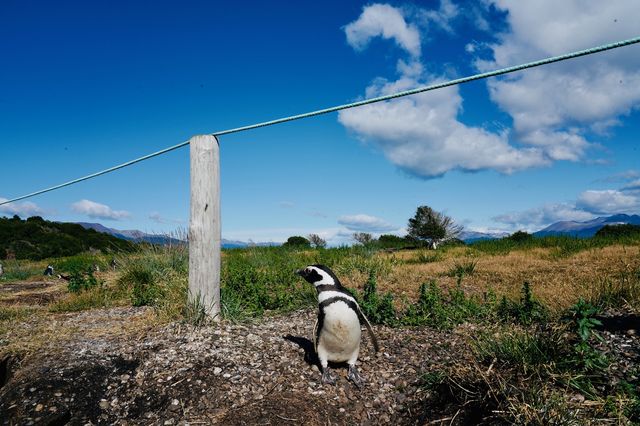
point(321, 312)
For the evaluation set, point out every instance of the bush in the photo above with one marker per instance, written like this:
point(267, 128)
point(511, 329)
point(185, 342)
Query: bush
point(618, 231)
point(379, 310)
point(526, 311)
point(140, 280)
point(297, 242)
point(81, 280)
point(462, 269)
point(520, 237)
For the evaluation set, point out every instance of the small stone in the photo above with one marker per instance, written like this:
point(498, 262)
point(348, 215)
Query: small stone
point(577, 398)
point(342, 410)
point(104, 404)
point(217, 370)
point(58, 394)
point(39, 407)
point(168, 422)
point(175, 405)
point(631, 332)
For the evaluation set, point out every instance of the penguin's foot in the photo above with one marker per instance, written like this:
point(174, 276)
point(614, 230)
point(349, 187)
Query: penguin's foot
point(327, 377)
point(355, 377)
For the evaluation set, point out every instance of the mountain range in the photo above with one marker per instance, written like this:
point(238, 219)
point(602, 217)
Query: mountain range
point(163, 239)
point(572, 228)
point(588, 228)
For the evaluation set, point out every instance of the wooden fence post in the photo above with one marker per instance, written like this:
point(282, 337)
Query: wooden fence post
point(204, 225)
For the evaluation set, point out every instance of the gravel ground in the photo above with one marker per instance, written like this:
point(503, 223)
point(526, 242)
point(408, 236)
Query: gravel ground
point(257, 373)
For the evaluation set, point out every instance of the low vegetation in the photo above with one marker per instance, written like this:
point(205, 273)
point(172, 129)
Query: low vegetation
point(531, 309)
point(36, 238)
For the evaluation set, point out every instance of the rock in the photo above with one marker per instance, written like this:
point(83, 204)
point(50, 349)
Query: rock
point(39, 407)
point(175, 405)
point(104, 404)
point(217, 370)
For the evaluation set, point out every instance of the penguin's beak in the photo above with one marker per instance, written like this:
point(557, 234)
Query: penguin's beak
point(300, 272)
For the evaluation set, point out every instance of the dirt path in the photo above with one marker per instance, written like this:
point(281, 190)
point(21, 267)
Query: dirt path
point(259, 373)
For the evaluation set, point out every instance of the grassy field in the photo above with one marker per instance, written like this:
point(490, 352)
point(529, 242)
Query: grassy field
point(536, 308)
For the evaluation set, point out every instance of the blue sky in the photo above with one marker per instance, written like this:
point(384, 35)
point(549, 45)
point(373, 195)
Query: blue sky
point(86, 85)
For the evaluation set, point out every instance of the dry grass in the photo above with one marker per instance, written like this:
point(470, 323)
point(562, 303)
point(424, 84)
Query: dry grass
point(557, 282)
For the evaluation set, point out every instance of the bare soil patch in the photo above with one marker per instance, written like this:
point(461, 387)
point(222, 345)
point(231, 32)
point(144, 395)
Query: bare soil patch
point(255, 373)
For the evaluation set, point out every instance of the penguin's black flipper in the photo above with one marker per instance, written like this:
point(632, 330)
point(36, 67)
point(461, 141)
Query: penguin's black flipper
point(367, 324)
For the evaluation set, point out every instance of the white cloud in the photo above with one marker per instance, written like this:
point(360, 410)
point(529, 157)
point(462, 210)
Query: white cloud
point(98, 211)
point(555, 106)
point(423, 135)
point(22, 209)
point(366, 223)
point(609, 201)
point(383, 20)
point(632, 187)
point(627, 175)
point(587, 206)
point(441, 17)
point(158, 218)
point(535, 218)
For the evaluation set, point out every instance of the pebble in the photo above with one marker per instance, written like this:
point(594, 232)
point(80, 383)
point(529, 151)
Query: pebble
point(217, 370)
point(104, 404)
point(39, 407)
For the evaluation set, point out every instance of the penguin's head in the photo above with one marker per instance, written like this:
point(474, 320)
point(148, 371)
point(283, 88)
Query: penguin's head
point(318, 275)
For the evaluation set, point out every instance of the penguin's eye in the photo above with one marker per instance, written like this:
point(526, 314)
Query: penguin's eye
point(308, 270)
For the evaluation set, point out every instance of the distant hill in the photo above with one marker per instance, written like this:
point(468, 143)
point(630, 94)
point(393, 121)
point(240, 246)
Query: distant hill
point(36, 238)
point(133, 235)
point(139, 236)
point(473, 236)
point(588, 228)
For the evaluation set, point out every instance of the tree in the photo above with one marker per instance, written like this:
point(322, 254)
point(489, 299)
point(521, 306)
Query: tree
point(363, 238)
point(316, 240)
point(297, 242)
point(432, 227)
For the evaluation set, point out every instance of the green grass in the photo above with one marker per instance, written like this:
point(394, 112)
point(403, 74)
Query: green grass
point(460, 269)
point(18, 270)
point(425, 256)
point(93, 298)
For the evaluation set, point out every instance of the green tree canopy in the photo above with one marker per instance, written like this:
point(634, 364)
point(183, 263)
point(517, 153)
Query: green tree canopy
point(297, 241)
point(430, 225)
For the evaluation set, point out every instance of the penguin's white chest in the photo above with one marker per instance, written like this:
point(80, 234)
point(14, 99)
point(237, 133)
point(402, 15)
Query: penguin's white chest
point(340, 335)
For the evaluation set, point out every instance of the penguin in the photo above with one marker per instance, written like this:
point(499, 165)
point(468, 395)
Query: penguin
point(336, 333)
point(49, 271)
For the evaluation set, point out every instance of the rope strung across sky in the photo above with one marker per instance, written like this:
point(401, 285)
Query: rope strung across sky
point(502, 71)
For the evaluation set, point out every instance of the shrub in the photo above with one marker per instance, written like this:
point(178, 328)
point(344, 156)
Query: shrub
point(462, 269)
point(520, 237)
point(619, 231)
point(297, 242)
point(583, 321)
point(142, 284)
point(81, 280)
point(526, 311)
point(379, 310)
